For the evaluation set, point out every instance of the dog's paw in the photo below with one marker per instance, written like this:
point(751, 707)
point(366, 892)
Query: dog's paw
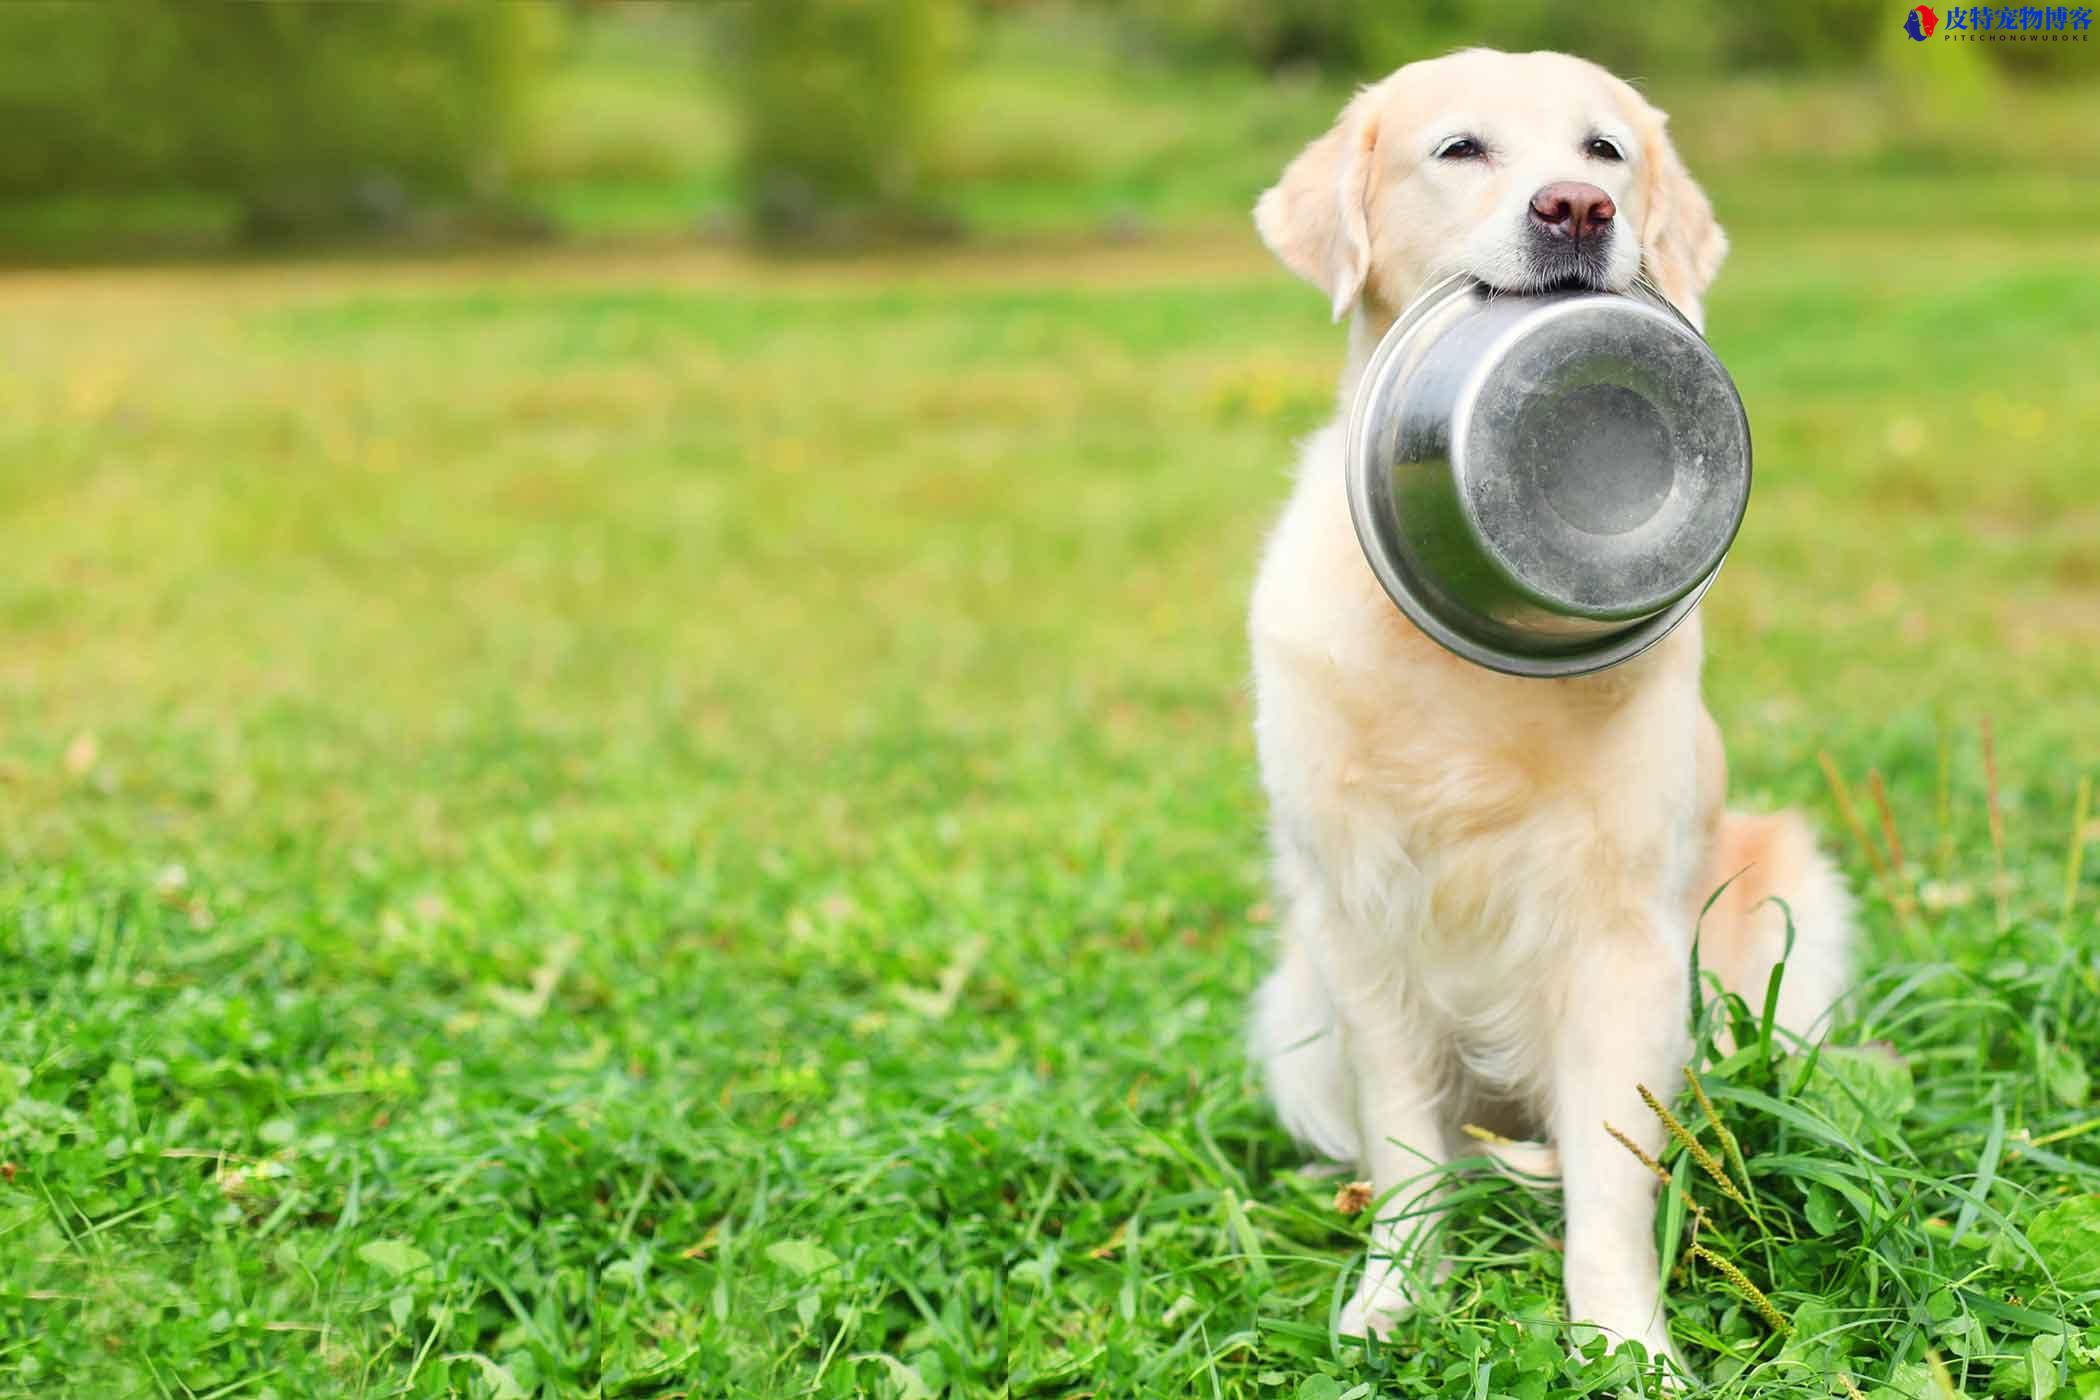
point(1382, 1299)
point(1533, 1164)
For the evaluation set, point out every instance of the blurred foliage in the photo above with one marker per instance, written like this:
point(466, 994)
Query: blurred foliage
point(1802, 33)
point(163, 124)
point(838, 103)
point(309, 115)
point(1363, 38)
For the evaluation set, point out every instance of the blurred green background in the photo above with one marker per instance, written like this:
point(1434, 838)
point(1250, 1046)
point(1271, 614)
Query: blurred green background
point(162, 127)
point(623, 726)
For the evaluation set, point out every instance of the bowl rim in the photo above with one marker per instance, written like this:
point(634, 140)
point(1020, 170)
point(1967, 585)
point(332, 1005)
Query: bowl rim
point(1366, 492)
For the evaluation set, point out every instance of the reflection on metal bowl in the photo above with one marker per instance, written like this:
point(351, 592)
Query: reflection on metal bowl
point(1546, 484)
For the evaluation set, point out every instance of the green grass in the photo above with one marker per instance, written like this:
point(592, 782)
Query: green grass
point(648, 823)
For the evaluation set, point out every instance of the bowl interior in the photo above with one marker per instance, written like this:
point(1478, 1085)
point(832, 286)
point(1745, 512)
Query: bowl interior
point(1602, 458)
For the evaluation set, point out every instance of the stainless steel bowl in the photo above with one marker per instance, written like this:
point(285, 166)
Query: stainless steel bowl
point(1546, 484)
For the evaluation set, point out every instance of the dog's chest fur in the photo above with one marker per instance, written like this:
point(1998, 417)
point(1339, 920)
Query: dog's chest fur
point(1484, 828)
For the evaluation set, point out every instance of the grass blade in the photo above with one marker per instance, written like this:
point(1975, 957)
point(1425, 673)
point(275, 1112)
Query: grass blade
point(1986, 1173)
point(1889, 833)
point(1943, 805)
point(2081, 810)
point(1770, 1016)
point(1990, 780)
point(1848, 812)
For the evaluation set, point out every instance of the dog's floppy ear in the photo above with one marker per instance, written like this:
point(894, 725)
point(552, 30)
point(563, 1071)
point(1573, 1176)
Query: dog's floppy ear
point(1316, 219)
point(1681, 245)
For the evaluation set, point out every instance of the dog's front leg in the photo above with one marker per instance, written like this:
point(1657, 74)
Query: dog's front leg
point(1623, 1027)
point(1400, 1123)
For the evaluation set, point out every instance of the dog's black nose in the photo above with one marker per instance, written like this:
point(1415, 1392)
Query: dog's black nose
point(1572, 209)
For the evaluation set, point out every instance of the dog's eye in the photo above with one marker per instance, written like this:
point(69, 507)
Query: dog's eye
point(1461, 148)
point(1602, 148)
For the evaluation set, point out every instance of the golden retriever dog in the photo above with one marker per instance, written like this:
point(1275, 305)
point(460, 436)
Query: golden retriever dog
point(1491, 885)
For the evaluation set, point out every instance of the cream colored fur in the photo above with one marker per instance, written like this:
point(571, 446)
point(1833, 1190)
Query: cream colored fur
point(1491, 884)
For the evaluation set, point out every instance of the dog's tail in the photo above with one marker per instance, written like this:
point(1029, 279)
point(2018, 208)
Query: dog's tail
point(1766, 862)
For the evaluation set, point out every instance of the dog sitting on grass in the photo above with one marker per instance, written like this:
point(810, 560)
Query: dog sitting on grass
point(1492, 885)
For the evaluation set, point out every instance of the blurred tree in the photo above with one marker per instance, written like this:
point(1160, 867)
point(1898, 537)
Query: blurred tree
point(839, 100)
point(1934, 92)
point(310, 115)
point(1805, 33)
point(2049, 61)
point(1372, 36)
point(1366, 37)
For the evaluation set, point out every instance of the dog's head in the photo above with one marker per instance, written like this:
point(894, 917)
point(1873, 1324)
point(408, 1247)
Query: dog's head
point(1529, 171)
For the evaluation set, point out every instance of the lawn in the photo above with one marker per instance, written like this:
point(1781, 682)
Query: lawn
point(633, 821)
